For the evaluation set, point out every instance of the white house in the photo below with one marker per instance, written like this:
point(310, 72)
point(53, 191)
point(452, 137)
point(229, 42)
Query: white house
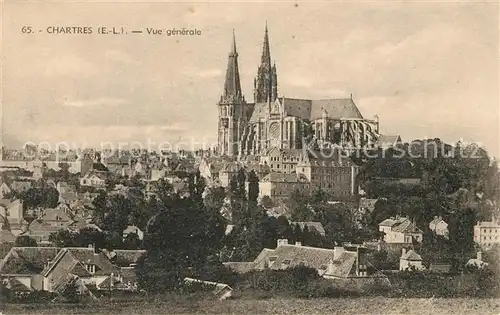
point(439, 226)
point(92, 180)
point(133, 229)
point(410, 259)
point(487, 233)
point(400, 230)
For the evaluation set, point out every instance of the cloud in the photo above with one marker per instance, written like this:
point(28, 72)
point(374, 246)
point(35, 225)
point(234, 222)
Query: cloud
point(103, 101)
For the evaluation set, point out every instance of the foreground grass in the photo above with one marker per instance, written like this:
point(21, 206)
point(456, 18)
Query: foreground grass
point(376, 305)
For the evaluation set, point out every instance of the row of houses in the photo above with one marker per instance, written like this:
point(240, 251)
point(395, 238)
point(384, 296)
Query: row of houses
point(51, 268)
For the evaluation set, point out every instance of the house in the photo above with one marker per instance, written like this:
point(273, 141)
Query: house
point(12, 213)
point(126, 260)
point(85, 263)
point(133, 229)
point(4, 190)
point(388, 141)
point(478, 261)
point(342, 262)
point(25, 264)
point(311, 226)
point(60, 217)
point(227, 171)
point(93, 180)
point(280, 186)
point(441, 267)
point(220, 290)
point(439, 226)
point(400, 230)
point(6, 236)
point(487, 233)
point(20, 185)
point(410, 260)
point(67, 193)
point(40, 231)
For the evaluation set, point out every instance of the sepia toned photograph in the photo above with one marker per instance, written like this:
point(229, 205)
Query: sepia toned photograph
point(253, 157)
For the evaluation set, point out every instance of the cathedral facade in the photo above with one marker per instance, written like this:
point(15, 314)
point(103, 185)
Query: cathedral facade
point(271, 121)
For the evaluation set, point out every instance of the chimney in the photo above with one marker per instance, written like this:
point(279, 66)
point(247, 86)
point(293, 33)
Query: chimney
point(436, 217)
point(403, 252)
point(298, 244)
point(480, 256)
point(282, 241)
point(329, 267)
point(337, 251)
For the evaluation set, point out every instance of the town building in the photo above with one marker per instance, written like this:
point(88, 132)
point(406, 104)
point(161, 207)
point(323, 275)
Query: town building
point(439, 226)
point(410, 260)
point(400, 230)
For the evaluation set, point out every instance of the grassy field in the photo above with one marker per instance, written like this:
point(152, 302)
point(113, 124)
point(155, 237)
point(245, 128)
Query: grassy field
point(377, 305)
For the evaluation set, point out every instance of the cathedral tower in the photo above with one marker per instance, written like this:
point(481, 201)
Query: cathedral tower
point(231, 108)
point(265, 84)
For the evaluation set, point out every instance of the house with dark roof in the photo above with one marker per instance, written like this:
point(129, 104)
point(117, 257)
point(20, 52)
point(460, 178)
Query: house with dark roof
point(221, 290)
point(25, 264)
point(388, 141)
point(439, 226)
point(280, 186)
point(311, 226)
point(12, 214)
point(400, 230)
point(50, 268)
point(85, 263)
point(342, 262)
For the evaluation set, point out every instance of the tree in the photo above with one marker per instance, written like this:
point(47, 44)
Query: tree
point(213, 197)
point(132, 241)
point(25, 241)
point(90, 236)
point(178, 241)
point(461, 235)
point(63, 238)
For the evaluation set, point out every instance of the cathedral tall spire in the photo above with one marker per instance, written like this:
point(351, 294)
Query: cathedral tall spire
point(265, 84)
point(232, 85)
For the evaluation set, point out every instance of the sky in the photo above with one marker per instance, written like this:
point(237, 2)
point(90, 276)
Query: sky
point(427, 69)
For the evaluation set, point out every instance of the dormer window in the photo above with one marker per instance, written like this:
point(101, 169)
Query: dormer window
point(286, 263)
point(90, 268)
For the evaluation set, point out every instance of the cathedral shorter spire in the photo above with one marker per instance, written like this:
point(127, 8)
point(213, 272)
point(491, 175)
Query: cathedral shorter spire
point(265, 84)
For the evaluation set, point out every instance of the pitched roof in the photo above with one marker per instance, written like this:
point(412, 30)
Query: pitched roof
point(411, 255)
point(126, 257)
point(311, 225)
point(7, 237)
point(281, 178)
point(27, 260)
point(335, 108)
point(311, 109)
point(343, 266)
point(387, 140)
point(239, 266)
point(388, 222)
point(437, 220)
point(406, 226)
point(290, 256)
point(56, 214)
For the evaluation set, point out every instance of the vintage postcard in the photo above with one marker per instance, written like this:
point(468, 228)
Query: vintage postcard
point(252, 157)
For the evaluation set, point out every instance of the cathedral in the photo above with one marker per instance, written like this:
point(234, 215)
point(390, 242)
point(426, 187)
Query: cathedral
point(273, 121)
